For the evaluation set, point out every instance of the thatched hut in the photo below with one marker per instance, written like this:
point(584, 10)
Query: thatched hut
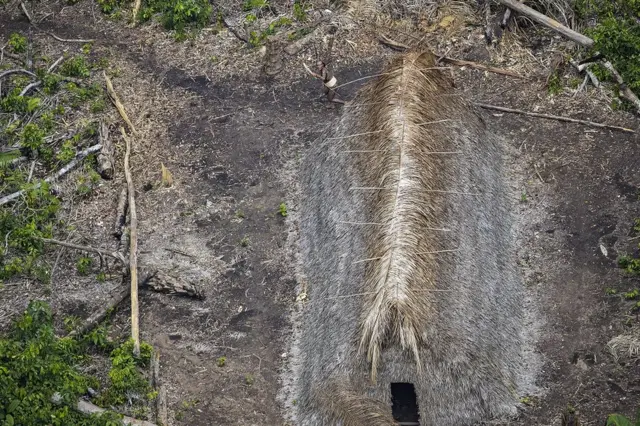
point(415, 308)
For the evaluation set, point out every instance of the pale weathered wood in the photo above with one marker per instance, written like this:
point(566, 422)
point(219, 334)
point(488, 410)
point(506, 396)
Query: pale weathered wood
point(121, 213)
point(119, 106)
point(8, 198)
point(625, 92)
point(548, 22)
point(106, 164)
point(133, 247)
point(86, 407)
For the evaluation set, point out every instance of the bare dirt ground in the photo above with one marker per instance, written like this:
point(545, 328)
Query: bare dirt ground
point(232, 138)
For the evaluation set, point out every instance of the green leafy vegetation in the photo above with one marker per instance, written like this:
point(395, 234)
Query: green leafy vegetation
point(17, 43)
point(620, 420)
point(32, 124)
point(126, 384)
point(83, 265)
point(283, 210)
point(616, 35)
point(220, 362)
point(40, 375)
point(300, 10)
point(257, 38)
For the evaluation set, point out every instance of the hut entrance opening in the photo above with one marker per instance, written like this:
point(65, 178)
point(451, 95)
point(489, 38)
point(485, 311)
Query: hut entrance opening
point(404, 404)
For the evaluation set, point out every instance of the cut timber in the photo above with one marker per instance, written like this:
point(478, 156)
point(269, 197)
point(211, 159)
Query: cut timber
point(86, 407)
point(164, 283)
point(553, 117)
point(548, 22)
point(99, 316)
point(8, 198)
point(625, 92)
point(133, 249)
point(105, 157)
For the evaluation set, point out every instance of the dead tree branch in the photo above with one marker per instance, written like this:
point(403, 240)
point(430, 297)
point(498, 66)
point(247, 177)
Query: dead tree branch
point(64, 40)
point(114, 254)
point(133, 247)
point(625, 92)
point(482, 67)
point(548, 22)
point(119, 106)
point(553, 117)
point(100, 315)
point(8, 198)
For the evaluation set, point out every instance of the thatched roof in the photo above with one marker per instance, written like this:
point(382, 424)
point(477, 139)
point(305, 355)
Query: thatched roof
point(407, 248)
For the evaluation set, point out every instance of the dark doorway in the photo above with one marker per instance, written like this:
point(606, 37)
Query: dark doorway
point(405, 404)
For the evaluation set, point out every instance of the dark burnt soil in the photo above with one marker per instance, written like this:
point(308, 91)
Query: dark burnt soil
point(582, 189)
point(228, 148)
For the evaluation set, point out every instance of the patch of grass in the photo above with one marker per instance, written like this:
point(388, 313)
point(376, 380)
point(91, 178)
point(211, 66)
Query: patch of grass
point(254, 4)
point(282, 210)
point(244, 242)
point(18, 43)
point(83, 265)
point(632, 295)
point(610, 291)
point(300, 10)
point(554, 86)
point(40, 381)
point(523, 197)
point(239, 214)
point(249, 379)
point(220, 362)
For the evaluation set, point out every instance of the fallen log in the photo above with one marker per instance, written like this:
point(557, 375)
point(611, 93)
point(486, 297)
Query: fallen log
point(100, 315)
point(548, 22)
point(86, 407)
point(73, 163)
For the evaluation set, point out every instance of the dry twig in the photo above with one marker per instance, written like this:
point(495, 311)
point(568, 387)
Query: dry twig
point(553, 117)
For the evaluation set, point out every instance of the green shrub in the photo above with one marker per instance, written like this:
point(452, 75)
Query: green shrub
point(125, 379)
point(39, 377)
point(616, 35)
point(18, 43)
point(75, 67)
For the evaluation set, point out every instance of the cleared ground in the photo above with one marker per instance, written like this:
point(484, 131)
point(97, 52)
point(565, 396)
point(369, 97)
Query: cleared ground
point(232, 139)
